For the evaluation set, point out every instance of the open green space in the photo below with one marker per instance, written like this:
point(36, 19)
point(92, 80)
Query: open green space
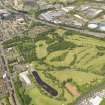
point(79, 77)
point(41, 49)
point(60, 58)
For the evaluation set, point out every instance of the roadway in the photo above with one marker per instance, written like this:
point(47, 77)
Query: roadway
point(8, 78)
point(81, 30)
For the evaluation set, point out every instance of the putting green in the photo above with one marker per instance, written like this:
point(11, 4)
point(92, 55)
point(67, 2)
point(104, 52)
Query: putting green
point(41, 49)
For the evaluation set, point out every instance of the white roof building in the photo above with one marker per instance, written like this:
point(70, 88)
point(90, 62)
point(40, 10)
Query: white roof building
point(67, 9)
point(102, 28)
point(4, 75)
point(50, 15)
point(96, 101)
point(92, 25)
point(24, 77)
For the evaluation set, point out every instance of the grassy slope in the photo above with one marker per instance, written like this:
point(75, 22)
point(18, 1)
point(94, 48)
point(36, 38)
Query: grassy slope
point(79, 77)
point(88, 57)
point(39, 99)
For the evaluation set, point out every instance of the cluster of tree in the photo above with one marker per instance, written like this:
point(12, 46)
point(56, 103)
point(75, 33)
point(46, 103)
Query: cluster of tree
point(24, 98)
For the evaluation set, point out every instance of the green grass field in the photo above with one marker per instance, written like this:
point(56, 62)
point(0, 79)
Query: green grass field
point(79, 77)
point(39, 99)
